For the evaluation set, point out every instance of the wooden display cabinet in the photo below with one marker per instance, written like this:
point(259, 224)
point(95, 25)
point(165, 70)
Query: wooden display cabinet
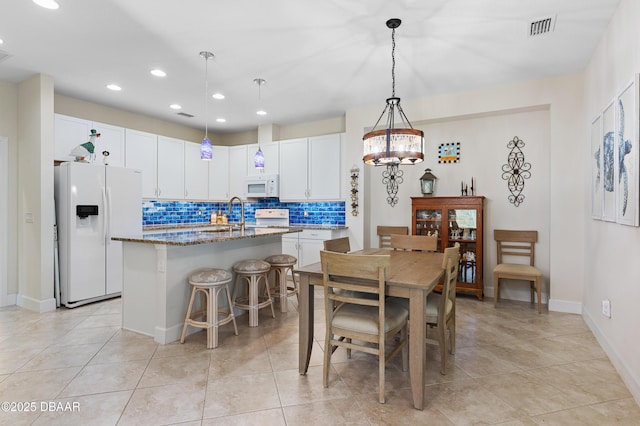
point(455, 220)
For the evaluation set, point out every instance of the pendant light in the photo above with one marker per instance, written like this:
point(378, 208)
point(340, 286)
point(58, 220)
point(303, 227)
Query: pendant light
point(206, 150)
point(258, 159)
point(393, 146)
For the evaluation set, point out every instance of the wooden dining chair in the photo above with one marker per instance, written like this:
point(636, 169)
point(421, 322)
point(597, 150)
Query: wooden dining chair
point(441, 308)
point(414, 242)
point(385, 232)
point(338, 245)
point(358, 323)
point(517, 243)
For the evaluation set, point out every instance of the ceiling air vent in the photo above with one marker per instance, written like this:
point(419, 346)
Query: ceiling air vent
point(542, 26)
point(184, 114)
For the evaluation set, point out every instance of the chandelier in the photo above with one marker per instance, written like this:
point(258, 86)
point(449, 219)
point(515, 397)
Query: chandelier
point(393, 146)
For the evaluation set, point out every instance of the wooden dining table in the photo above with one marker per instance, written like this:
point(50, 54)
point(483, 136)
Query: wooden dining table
point(413, 275)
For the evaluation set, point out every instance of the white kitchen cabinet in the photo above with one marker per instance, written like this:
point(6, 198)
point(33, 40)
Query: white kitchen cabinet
point(324, 167)
point(69, 132)
point(293, 173)
point(111, 140)
point(306, 245)
point(170, 168)
point(219, 174)
point(196, 173)
point(271, 152)
point(310, 168)
point(141, 150)
point(237, 170)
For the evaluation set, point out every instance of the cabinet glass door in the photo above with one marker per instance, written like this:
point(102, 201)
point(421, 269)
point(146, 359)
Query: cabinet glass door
point(462, 229)
point(429, 222)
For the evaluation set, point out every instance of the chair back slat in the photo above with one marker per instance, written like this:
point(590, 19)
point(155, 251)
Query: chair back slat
point(385, 232)
point(515, 243)
point(338, 245)
point(414, 242)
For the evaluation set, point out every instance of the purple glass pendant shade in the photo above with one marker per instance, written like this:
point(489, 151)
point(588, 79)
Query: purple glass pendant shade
point(258, 159)
point(206, 150)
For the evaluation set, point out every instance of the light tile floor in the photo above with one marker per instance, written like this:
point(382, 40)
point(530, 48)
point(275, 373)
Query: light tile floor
point(512, 367)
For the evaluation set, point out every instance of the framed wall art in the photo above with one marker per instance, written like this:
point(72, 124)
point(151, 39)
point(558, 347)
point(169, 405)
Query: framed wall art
point(596, 167)
point(449, 152)
point(626, 154)
point(608, 163)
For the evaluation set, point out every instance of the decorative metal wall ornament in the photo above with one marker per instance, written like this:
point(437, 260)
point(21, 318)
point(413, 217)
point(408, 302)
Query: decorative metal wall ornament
point(354, 190)
point(516, 171)
point(392, 177)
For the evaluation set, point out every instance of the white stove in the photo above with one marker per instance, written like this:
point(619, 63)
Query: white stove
point(272, 217)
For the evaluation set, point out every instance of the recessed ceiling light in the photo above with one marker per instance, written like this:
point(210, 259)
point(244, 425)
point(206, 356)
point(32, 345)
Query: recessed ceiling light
point(158, 73)
point(1, 41)
point(261, 112)
point(175, 106)
point(221, 120)
point(114, 87)
point(217, 96)
point(47, 4)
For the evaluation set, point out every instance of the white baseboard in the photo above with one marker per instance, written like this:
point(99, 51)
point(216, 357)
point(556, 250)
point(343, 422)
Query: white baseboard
point(632, 382)
point(566, 306)
point(46, 305)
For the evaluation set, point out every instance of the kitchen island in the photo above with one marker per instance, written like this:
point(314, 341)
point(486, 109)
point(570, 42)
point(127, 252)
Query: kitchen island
point(156, 267)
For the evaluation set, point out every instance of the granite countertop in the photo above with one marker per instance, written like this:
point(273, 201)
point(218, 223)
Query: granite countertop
point(188, 238)
point(248, 225)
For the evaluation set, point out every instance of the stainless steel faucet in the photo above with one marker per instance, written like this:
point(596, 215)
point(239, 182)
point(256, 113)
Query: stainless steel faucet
point(241, 209)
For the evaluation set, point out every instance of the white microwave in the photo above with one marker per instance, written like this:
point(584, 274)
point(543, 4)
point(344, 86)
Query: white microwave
point(262, 186)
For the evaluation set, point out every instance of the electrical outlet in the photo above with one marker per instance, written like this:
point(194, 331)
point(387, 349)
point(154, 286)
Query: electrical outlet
point(306, 213)
point(606, 308)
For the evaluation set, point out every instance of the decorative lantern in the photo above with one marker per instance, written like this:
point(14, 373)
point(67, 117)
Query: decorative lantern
point(427, 182)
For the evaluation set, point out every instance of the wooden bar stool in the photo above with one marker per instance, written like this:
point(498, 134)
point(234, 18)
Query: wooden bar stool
point(253, 271)
point(280, 265)
point(210, 283)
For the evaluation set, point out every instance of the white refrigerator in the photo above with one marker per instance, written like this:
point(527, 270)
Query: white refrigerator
point(93, 203)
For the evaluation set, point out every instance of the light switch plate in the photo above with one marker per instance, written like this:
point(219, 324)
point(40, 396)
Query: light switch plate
point(606, 308)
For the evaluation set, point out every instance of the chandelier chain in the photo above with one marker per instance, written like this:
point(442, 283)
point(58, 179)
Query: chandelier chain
point(393, 62)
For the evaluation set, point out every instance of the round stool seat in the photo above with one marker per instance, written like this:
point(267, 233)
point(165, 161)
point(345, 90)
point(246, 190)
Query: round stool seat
point(281, 260)
point(252, 266)
point(210, 276)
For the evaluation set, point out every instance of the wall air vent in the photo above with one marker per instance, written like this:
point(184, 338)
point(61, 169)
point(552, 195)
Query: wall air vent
point(184, 114)
point(3, 55)
point(542, 26)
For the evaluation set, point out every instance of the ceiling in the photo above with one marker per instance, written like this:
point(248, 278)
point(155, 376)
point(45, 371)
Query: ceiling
point(319, 58)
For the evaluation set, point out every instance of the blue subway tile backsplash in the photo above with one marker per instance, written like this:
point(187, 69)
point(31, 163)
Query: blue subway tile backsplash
point(155, 212)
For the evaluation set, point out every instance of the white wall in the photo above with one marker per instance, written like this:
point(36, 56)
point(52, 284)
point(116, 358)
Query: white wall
point(9, 128)
point(612, 251)
point(555, 191)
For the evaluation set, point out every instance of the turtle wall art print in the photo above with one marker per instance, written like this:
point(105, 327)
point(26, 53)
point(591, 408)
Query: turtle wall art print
point(625, 152)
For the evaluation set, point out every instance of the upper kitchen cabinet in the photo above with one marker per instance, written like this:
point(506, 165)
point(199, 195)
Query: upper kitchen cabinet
point(219, 174)
point(69, 132)
point(324, 167)
point(141, 152)
point(171, 168)
point(196, 173)
point(237, 170)
point(271, 152)
point(293, 176)
point(310, 168)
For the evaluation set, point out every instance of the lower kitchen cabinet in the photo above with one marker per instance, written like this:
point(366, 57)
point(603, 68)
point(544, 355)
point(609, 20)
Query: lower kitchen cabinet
point(306, 245)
